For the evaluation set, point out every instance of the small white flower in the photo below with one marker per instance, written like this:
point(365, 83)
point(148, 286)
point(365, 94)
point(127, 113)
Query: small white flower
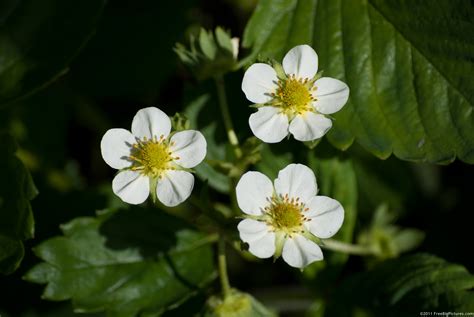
point(293, 99)
point(286, 218)
point(149, 158)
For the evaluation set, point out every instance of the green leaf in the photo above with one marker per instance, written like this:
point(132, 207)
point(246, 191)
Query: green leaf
point(273, 159)
point(16, 217)
point(408, 65)
point(39, 39)
point(129, 262)
point(408, 285)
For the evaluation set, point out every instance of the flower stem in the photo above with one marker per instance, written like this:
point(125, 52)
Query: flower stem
point(222, 263)
point(346, 247)
point(224, 107)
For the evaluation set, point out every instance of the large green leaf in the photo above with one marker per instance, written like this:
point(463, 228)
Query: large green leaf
point(38, 39)
point(129, 262)
point(16, 217)
point(408, 285)
point(408, 65)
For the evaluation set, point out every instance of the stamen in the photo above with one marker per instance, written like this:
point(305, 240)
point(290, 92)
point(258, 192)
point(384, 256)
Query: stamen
point(151, 156)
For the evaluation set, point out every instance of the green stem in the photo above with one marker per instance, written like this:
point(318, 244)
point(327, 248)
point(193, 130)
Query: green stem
point(346, 247)
point(222, 263)
point(224, 107)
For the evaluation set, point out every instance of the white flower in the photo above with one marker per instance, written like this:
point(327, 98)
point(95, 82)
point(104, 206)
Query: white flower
point(286, 218)
point(293, 99)
point(150, 159)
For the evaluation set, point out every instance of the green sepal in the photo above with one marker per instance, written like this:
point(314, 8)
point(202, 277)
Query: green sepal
point(308, 235)
point(280, 238)
point(317, 76)
point(278, 67)
point(180, 122)
point(153, 185)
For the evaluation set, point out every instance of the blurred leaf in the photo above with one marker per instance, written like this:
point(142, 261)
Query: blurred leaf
point(386, 239)
point(127, 263)
point(408, 65)
point(336, 179)
point(16, 217)
point(210, 54)
point(408, 285)
point(38, 39)
point(273, 159)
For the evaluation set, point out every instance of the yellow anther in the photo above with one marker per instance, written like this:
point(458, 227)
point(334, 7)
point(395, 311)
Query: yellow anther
point(151, 156)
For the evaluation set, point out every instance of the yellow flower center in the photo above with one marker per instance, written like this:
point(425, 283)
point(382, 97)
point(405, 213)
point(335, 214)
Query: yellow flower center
point(152, 156)
point(286, 214)
point(294, 95)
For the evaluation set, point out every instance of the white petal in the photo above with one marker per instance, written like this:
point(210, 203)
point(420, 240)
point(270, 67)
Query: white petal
point(301, 61)
point(175, 187)
point(190, 146)
point(252, 192)
point(299, 252)
point(256, 233)
point(260, 80)
point(269, 125)
point(131, 187)
point(309, 126)
point(331, 95)
point(327, 216)
point(115, 147)
point(296, 180)
point(150, 122)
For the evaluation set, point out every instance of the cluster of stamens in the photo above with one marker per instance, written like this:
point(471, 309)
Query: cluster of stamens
point(152, 157)
point(285, 214)
point(294, 95)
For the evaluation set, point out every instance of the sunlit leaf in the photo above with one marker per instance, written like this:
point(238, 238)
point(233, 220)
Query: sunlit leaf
point(408, 65)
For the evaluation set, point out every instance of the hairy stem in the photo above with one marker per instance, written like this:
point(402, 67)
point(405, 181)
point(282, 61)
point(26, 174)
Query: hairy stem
point(346, 247)
point(222, 263)
point(224, 107)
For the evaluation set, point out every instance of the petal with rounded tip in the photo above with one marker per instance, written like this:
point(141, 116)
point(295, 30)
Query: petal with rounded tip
point(260, 80)
point(269, 125)
point(253, 190)
point(309, 126)
point(298, 181)
point(132, 187)
point(174, 187)
point(331, 95)
point(115, 146)
point(256, 233)
point(326, 216)
point(151, 122)
point(301, 61)
point(299, 252)
point(190, 147)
